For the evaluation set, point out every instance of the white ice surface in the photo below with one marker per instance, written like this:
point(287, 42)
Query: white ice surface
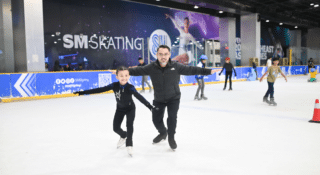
point(231, 133)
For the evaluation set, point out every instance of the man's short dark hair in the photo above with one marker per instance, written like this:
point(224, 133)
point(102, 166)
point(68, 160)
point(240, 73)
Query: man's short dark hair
point(140, 58)
point(164, 47)
point(121, 68)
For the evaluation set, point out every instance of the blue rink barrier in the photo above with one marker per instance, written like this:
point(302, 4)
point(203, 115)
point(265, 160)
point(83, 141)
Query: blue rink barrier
point(52, 83)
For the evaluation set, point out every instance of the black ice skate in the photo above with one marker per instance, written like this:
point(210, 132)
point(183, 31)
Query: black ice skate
point(172, 143)
point(196, 98)
point(160, 138)
point(203, 97)
point(224, 88)
point(265, 99)
point(272, 102)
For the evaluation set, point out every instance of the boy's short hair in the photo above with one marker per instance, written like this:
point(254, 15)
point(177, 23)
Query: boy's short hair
point(121, 68)
point(140, 58)
point(164, 47)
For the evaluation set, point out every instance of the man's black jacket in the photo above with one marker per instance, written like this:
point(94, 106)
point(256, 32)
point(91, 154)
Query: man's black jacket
point(166, 80)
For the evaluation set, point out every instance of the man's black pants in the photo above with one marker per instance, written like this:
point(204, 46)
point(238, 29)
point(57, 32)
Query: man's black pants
point(157, 116)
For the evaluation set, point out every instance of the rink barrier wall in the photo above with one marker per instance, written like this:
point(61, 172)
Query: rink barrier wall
point(46, 85)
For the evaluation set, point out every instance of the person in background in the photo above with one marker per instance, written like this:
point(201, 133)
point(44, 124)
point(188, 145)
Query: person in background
point(228, 67)
point(269, 63)
point(57, 66)
point(80, 67)
point(144, 78)
point(272, 72)
point(199, 78)
point(310, 64)
point(254, 66)
point(46, 67)
point(67, 67)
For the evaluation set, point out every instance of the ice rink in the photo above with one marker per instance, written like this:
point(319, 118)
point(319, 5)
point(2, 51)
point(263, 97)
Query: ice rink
point(231, 133)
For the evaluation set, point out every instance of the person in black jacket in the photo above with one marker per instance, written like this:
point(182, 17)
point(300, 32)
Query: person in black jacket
point(165, 76)
point(228, 67)
point(125, 106)
point(144, 78)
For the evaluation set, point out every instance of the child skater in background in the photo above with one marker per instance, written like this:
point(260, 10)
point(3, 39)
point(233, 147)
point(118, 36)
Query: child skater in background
point(200, 80)
point(272, 72)
point(125, 106)
point(228, 67)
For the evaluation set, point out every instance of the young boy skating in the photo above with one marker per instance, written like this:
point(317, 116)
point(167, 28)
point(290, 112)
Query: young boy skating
point(272, 72)
point(228, 67)
point(125, 106)
point(199, 78)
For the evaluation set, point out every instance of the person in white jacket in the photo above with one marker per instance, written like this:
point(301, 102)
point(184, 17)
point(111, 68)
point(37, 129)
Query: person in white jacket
point(269, 63)
point(184, 56)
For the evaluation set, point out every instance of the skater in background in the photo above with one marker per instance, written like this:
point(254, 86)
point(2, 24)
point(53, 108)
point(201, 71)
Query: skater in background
point(199, 78)
point(269, 62)
point(165, 76)
point(254, 66)
point(272, 72)
point(228, 67)
point(310, 64)
point(125, 106)
point(144, 78)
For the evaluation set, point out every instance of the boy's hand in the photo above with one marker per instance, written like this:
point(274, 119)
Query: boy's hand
point(113, 71)
point(151, 107)
point(215, 70)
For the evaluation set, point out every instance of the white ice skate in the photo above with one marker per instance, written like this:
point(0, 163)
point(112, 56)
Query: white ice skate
point(130, 150)
point(121, 142)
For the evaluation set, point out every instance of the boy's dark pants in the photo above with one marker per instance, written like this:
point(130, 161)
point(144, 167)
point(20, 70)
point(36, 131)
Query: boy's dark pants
point(118, 118)
point(270, 90)
point(157, 116)
point(228, 75)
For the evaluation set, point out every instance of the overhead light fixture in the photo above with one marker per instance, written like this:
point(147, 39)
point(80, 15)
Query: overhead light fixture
point(52, 35)
point(317, 5)
point(312, 4)
point(280, 23)
point(196, 7)
point(221, 11)
point(267, 20)
point(296, 27)
point(157, 0)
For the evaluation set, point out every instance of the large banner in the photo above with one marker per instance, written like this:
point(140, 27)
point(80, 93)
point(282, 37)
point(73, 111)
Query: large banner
point(275, 41)
point(106, 34)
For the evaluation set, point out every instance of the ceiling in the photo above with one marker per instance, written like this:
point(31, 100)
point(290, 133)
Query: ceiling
point(290, 12)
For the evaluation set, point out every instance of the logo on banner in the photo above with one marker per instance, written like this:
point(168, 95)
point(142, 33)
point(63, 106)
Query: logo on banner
point(24, 85)
point(104, 79)
point(157, 38)
point(65, 81)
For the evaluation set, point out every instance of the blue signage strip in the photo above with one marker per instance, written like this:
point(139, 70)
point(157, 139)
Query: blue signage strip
point(4, 85)
point(37, 84)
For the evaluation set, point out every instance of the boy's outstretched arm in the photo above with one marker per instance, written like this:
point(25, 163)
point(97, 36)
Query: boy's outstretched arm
point(94, 91)
point(263, 76)
point(141, 98)
point(284, 76)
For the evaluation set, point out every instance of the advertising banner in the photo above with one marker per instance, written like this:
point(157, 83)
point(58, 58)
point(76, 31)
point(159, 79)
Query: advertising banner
point(107, 34)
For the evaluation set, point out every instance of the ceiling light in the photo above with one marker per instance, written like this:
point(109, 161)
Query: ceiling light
point(221, 11)
point(267, 20)
point(157, 0)
point(312, 4)
point(317, 5)
point(196, 6)
point(280, 23)
point(296, 27)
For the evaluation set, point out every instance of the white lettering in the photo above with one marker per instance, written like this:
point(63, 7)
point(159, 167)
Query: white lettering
point(68, 42)
point(81, 41)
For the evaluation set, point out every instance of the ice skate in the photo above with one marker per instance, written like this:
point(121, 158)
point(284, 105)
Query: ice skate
point(203, 97)
point(265, 99)
point(121, 142)
point(230, 89)
point(142, 91)
point(272, 102)
point(159, 138)
point(172, 143)
point(224, 88)
point(130, 150)
point(197, 98)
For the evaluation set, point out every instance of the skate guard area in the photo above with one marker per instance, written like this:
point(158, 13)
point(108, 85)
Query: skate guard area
point(45, 85)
